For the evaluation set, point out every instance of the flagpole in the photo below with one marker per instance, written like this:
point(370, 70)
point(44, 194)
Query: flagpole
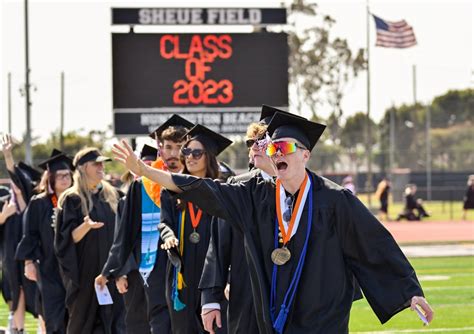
point(368, 184)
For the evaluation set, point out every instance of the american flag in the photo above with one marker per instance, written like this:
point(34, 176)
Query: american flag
point(394, 34)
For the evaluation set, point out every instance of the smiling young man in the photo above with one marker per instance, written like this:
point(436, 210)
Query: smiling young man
point(302, 280)
point(135, 261)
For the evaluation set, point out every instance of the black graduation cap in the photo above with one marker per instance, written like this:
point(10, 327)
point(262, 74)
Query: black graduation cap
point(148, 153)
point(58, 160)
point(268, 112)
point(293, 126)
point(174, 120)
point(213, 141)
point(33, 174)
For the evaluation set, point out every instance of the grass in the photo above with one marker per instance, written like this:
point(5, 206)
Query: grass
point(439, 210)
point(448, 284)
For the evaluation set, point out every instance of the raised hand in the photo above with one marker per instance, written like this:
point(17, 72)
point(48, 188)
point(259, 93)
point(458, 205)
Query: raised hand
point(124, 154)
point(6, 143)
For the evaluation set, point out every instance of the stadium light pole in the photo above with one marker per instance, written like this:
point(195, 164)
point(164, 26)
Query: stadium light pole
point(9, 110)
point(28, 153)
point(428, 153)
point(368, 183)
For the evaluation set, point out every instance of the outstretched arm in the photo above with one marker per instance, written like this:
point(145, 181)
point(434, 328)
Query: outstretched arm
point(124, 154)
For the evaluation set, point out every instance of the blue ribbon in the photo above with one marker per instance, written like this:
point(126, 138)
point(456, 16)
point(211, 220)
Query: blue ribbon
point(279, 320)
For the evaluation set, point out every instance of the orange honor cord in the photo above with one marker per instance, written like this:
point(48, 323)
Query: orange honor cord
point(287, 235)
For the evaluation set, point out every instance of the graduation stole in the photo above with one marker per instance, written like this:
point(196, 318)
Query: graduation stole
point(279, 321)
point(150, 199)
point(149, 235)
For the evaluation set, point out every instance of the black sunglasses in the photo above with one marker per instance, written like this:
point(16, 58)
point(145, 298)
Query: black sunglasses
point(196, 153)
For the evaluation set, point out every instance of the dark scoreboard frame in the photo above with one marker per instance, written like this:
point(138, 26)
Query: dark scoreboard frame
point(196, 75)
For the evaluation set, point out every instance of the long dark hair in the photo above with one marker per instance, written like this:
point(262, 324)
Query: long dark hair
point(48, 182)
point(212, 167)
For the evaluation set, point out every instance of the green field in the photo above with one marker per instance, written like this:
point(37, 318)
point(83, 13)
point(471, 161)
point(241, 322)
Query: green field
point(448, 284)
point(439, 211)
point(449, 287)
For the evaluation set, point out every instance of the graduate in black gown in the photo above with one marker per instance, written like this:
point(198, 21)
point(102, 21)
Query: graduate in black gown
point(84, 234)
point(21, 291)
point(135, 260)
point(226, 248)
point(192, 228)
point(302, 282)
point(36, 247)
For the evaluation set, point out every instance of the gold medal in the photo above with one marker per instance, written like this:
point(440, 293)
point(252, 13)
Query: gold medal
point(280, 256)
point(195, 219)
point(194, 237)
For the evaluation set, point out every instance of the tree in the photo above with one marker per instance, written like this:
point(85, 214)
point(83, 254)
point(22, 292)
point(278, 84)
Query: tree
point(320, 66)
point(454, 107)
point(452, 133)
point(354, 131)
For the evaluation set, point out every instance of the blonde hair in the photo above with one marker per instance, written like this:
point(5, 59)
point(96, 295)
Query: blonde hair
point(256, 130)
point(80, 187)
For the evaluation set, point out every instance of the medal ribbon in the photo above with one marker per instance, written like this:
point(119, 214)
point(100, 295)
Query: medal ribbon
point(279, 320)
point(54, 200)
point(195, 219)
point(286, 235)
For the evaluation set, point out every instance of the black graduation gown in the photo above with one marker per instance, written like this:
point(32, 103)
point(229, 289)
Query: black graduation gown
point(124, 259)
point(37, 244)
point(345, 239)
point(13, 270)
point(188, 320)
point(225, 250)
point(81, 263)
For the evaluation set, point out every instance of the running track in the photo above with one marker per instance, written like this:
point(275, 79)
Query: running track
point(406, 232)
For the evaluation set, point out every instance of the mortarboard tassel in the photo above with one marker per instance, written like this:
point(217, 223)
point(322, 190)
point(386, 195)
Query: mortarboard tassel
point(178, 305)
point(181, 283)
point(281, 319)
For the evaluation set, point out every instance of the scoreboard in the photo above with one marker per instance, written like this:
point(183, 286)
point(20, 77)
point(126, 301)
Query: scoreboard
point(219, 80)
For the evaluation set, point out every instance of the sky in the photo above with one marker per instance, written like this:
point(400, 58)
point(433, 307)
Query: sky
point(75, 37)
